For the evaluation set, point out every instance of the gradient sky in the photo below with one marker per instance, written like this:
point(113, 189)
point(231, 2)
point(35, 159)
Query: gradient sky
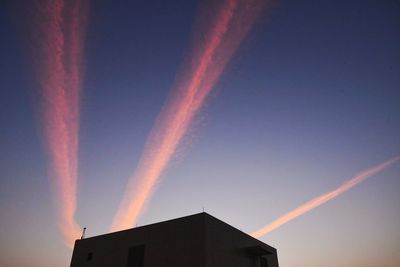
point(310, 99)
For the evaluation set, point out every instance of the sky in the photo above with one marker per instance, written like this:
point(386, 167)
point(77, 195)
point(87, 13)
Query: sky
point(308, 100)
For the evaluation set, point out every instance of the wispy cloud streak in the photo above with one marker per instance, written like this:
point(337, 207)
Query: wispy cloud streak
point(58, 55)
point(362, 176)
point(211, 52)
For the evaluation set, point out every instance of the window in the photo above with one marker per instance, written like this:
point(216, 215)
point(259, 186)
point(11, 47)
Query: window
point(258, 261)
point(89, 256)
point(263, 262)
point(136, 256)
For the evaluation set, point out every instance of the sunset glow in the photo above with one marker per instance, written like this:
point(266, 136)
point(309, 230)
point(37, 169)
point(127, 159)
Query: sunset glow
point(116, 115)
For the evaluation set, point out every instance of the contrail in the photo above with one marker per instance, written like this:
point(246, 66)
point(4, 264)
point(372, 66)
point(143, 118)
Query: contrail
point(58, 55)
point(362, 176)
point(211, 53)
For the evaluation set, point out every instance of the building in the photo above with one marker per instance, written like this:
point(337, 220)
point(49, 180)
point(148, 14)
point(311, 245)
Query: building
point(199, 240)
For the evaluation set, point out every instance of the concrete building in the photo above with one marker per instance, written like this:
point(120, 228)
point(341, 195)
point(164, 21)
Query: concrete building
point(199, 240)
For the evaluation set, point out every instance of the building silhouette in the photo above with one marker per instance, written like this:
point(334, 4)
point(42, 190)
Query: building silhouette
point(199, 240)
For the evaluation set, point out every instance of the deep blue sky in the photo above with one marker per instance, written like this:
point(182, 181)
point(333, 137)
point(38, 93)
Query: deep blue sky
point(310, 99)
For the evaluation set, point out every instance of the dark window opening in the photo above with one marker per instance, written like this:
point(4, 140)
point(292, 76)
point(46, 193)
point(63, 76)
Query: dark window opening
point(263, 262)
point(136, 256)
point(90, 256)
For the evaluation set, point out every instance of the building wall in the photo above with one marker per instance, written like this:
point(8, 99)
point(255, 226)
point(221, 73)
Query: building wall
point(226, 246)
point(177, 243)
point(199, 240)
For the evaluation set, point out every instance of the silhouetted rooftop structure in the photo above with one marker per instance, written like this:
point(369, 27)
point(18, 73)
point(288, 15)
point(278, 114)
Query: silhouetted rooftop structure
point(199, 240)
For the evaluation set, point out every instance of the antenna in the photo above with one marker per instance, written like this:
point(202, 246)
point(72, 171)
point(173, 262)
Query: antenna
point(83, 233)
